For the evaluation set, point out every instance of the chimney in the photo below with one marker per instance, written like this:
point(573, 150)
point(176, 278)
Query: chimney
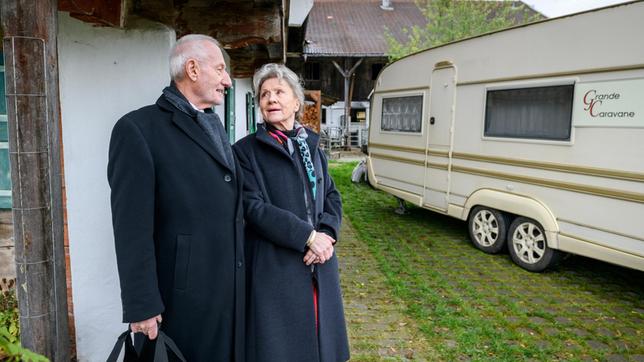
point(386, 5)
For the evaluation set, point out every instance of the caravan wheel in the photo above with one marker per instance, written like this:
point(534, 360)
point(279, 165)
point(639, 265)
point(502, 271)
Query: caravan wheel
point(487, 229)
point(529, 247)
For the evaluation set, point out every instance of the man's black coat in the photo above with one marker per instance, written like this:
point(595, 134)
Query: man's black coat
point(178, 229)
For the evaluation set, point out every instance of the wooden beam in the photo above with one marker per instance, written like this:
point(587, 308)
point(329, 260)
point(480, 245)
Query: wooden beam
point(99, 12)
point(347, 74)
point(33, 110)
point(234, 24)
point(250, 31)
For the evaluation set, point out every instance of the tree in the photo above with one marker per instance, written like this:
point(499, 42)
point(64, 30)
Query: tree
point(451, 20)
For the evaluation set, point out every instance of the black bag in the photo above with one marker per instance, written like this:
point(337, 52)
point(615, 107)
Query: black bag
point(163, 342)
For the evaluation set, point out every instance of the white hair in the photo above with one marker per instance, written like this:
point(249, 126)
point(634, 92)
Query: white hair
point(281, 72)
point(188, 47)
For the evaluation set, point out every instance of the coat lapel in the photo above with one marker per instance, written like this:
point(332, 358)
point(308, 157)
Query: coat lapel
point(321, 187)
point(313, 140)
point(262, 136)
point(193, 131)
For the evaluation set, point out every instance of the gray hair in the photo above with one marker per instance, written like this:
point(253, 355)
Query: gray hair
point(281, 72)
point(188, 47)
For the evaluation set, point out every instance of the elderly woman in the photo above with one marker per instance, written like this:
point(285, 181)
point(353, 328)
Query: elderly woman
point(293, 214)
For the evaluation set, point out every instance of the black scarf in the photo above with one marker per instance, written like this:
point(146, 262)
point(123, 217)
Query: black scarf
point(207, 120)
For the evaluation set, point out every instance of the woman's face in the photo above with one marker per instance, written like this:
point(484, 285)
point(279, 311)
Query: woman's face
point(278, 103)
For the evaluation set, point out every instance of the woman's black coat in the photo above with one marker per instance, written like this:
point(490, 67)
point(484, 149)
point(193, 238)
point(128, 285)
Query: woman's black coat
point(178, 229)
point(281, 319)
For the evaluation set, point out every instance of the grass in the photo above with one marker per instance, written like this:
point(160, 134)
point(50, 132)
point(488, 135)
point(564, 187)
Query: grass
point(474, 306)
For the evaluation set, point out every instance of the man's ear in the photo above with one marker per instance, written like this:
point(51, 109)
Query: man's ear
point(192, 69)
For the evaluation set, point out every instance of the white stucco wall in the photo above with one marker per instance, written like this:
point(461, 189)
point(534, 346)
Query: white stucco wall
point(335, 111)
point(242, 86)
point(104, 73)
point(298, 11)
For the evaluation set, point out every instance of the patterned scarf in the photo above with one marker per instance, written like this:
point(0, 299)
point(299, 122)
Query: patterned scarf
point(300, 137)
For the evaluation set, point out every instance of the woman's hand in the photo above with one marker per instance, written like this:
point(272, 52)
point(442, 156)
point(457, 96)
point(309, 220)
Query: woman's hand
point(322, 248)
point(311, 258)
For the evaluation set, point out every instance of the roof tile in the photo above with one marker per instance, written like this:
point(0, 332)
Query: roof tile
point(357, 27)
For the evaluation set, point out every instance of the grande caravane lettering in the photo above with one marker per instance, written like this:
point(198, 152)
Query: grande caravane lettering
point(592, 100)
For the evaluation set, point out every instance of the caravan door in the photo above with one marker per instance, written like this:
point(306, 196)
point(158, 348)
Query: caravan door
point(441, 118)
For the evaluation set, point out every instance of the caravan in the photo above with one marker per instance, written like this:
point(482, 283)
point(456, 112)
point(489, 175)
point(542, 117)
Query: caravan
point(534, 135)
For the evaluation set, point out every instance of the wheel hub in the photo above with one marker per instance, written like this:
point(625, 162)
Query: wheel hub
point(527, 245)
point(486, 230)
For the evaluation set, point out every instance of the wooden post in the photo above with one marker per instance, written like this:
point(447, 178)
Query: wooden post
point(33, 109)
point(347, 74)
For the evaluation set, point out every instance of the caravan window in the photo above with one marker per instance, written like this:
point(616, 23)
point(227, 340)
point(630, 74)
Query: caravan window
point(402, 114)
point(536, 113)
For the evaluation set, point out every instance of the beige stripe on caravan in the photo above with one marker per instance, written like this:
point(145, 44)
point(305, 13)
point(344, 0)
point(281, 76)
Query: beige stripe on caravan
point(568, 186)
point(554, 74)
point(397, 148)
point(399, 180)
point(430, 152)
point(397, 90)
point(602, 245)
point(583, 170)
point(550, 166)
point(438, 166)
point(397, 159)
point(599, 229)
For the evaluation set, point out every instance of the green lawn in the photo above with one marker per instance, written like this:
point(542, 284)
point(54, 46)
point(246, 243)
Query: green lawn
point(474, 306)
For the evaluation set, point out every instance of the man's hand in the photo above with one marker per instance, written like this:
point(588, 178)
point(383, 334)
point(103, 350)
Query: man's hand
point(149, 327)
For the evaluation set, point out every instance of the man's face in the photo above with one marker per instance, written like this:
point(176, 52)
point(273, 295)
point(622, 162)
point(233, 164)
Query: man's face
point(213, 79)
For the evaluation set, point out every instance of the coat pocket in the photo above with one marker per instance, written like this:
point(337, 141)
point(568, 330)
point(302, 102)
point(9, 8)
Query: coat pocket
point(182, 261)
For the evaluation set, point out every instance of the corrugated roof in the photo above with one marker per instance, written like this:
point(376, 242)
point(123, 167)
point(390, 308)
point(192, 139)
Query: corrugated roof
point(357, 27)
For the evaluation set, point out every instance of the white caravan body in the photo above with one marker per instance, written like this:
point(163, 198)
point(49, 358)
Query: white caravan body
point(543, 121)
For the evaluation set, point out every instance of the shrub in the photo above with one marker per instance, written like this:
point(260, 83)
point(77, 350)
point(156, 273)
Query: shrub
point(10, 347)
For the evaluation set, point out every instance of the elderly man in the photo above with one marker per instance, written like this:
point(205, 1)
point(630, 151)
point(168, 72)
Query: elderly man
point(177, 212)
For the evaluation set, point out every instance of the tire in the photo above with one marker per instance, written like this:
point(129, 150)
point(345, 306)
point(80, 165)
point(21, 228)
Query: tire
point(487, 229)
point(528, 246)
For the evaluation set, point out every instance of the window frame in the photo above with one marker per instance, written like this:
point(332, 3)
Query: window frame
point(6, 201)
point(568, 81)
point(423, 97)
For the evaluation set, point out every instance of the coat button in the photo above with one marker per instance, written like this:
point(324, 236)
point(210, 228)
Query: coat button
point(227, 178)
point(319, 215)
point(239, 264)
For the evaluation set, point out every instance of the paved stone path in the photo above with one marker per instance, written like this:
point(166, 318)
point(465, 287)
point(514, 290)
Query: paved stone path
point(378, 328)
point(583, 308)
